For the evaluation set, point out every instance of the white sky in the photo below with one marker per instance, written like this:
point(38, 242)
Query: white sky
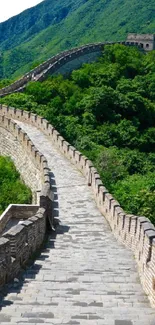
point(9, 8)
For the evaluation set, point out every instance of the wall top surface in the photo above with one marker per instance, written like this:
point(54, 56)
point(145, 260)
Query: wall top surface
point(142, 37)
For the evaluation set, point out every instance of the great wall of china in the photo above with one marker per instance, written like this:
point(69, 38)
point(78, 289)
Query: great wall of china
point(87, 53)
point(36, 148)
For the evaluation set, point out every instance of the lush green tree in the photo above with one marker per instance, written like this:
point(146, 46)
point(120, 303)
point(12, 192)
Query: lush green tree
point(137, 194)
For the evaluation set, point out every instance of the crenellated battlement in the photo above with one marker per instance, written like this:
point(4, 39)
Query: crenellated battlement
point(23, 227)
point(68, 60)
point(135, 232)
point(145, 41)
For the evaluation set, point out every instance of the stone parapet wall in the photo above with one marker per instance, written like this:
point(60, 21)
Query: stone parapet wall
point(146, 41)
point(147, 37)
point(29, 171)
point(54, 63)
point(23, 139)
point(20, 242)
point(16, 212)
point(135, 232)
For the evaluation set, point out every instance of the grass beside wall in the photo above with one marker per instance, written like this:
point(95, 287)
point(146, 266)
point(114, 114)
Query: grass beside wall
point(12, 189)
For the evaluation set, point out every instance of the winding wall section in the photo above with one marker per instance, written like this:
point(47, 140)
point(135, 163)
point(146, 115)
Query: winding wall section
point(53, 65)
point(137, 233)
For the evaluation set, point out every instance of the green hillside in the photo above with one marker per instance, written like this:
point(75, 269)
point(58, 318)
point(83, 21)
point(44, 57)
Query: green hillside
point(55, 25)
point(107, 111)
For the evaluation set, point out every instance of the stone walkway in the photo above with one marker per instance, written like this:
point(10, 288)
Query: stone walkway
point(84, 276)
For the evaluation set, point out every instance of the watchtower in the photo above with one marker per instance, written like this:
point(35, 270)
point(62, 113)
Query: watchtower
point(145, 41)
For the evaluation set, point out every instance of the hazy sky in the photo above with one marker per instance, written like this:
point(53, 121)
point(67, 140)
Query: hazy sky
point(9, 8)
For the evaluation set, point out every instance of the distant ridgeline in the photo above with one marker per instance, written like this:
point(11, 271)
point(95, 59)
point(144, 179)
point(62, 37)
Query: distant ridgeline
point(67, 61)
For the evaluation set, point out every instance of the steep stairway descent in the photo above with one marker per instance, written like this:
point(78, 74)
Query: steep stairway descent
point(83, 276)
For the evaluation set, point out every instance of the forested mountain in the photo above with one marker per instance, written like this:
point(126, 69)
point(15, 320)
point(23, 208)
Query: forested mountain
point(56, 25)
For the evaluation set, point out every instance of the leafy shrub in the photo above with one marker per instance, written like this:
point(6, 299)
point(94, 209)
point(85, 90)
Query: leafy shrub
point(12, 189)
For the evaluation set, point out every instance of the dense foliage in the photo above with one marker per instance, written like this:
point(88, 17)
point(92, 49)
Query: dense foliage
point(12, 190)
point(107, 111)
point(56, 25)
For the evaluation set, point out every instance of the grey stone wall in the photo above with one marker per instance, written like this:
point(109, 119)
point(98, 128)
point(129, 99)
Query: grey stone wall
point(52, 65)
point(146, 41)
point(137, 233)
point(76, 63)
point(10, 146)
point(19, 244)
point(20, 241)
point(14, 214)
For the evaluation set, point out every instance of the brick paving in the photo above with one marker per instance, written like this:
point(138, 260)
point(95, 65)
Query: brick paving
point(83, 276)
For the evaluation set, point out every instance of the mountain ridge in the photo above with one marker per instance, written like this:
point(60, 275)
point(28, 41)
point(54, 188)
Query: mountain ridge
point(53, 26)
